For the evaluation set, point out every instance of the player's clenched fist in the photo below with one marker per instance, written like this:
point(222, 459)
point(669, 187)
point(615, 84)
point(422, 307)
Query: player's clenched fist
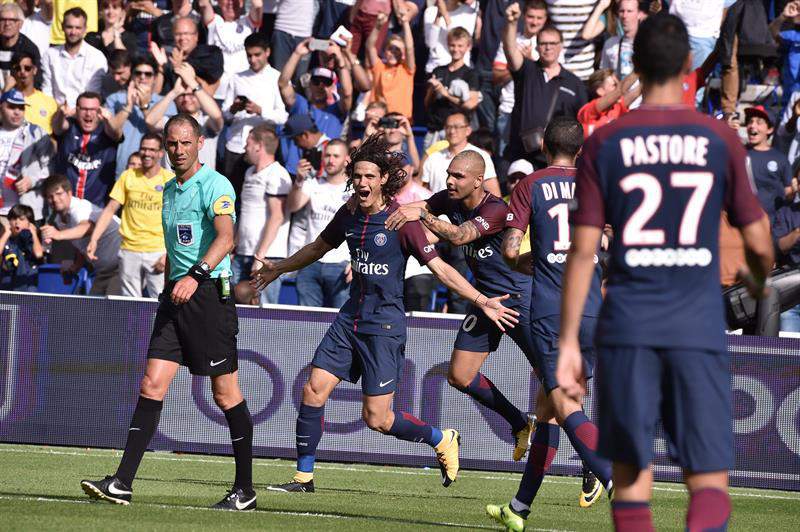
point(513, 12)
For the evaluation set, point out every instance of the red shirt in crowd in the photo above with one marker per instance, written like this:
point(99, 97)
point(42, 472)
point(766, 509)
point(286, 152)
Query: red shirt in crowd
point(692, 83)
point(591, 118)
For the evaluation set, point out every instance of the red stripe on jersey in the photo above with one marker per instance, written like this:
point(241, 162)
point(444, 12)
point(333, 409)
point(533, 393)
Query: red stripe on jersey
point(360, 278)
point(83, 173)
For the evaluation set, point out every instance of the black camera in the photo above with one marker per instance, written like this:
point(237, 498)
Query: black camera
point(388, 123)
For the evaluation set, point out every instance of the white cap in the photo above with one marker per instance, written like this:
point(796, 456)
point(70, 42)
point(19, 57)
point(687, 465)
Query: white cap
point(521, 166)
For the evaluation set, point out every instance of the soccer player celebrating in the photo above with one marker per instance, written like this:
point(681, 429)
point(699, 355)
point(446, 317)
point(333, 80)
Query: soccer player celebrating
point(541, 200)
point(478, 222)
point(196, 322)
point(660, 176)
point(367, 339)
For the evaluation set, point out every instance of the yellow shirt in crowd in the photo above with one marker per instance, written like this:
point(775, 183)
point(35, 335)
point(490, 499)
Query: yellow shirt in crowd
point(60, 6)
point(141, 197)
point(40, 110)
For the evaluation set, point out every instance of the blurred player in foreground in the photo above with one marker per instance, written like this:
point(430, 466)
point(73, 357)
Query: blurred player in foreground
point(367, 340)
point(541, 201)
point(660, 176)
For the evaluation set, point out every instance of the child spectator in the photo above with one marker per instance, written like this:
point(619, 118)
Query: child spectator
point(134, 161)
point(609, 99)
point(21, 251)
point(394, 79)
point(441, 19)
point(451, 88)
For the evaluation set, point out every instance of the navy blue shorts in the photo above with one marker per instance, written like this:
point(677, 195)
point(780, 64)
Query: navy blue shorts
point(688, 390)
point(545, 340)
point(376, 360)
point(479, 334)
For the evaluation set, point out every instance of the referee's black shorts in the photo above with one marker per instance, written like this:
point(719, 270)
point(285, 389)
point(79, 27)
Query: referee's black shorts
point(200, 334)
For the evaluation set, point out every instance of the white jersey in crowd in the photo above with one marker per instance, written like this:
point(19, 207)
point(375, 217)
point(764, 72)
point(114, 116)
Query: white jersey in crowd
point(434, 171)
point(81, 210)
point(464, 16)
point(296, 17)
point(409, 194)
point(37, 30)
point(273, 180)
point(258, 87)
point(66, 76)
point(569, 16)
point(500, 60)
point(702, 17)
point(229, 37)
point(324, 199)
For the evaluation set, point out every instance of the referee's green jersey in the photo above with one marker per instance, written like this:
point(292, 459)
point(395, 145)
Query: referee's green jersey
point(188, 219)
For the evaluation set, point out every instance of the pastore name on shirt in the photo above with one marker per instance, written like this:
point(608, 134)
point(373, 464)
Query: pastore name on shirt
point(361, 264)
point(664, 149)
point(83, 161)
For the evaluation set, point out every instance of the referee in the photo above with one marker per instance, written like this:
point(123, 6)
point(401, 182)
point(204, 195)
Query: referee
point(196, 322)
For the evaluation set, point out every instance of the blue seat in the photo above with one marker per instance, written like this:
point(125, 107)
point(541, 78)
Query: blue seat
point(52, 282)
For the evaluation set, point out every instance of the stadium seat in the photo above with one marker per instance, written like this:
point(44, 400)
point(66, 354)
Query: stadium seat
point(52, 282)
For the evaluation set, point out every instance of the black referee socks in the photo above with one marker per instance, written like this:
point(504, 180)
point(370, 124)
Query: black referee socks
point(241, 426)
point(143, 426)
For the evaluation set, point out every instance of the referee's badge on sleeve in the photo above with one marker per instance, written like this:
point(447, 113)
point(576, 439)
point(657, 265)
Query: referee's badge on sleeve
point(223, 205)
point(185, 234)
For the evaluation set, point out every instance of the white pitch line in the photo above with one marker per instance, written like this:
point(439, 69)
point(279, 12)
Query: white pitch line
point(275, 512)
point(108, 453)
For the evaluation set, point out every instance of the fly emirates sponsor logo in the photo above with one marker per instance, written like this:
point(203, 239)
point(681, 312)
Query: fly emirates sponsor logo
point(361, 264)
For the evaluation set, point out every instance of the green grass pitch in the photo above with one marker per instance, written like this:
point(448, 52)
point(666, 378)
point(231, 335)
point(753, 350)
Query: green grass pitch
point(40, 491)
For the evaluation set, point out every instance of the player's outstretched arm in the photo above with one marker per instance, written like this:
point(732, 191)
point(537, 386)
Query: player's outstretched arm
point(759, 254)
point(494, 310)
point(576, 284)
point(306, 255)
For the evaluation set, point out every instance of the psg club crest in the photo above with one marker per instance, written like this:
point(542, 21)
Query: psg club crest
point(185, 234)
point(380, 239)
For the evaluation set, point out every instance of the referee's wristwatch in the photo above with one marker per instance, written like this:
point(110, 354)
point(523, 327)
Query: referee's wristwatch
point(200, 272)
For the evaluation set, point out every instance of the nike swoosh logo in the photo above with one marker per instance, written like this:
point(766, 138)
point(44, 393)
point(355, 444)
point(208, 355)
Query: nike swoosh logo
point(348, 235)
point(133, 428)
point(239, 438)
point(114, 491)
point(382, 384)
point(243, 505)
point(212, 363)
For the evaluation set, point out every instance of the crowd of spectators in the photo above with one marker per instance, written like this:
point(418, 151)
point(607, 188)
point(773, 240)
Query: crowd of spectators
point(283, 89)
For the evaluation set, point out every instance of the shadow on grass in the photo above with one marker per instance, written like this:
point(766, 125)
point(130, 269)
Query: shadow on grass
point(22, 496)
point(355, 491)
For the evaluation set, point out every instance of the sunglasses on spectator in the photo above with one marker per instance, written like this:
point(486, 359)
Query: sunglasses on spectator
point(22, 68)
point(145, 73)
point(322, 81)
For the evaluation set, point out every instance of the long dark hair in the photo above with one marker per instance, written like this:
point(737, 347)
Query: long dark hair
point(375, 149)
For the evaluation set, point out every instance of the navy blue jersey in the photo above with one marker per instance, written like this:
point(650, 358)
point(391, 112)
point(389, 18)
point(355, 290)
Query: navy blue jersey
point(89, 161)
point(378, 258)
point(661, 177)
point(542, 200)
point(493, 276)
